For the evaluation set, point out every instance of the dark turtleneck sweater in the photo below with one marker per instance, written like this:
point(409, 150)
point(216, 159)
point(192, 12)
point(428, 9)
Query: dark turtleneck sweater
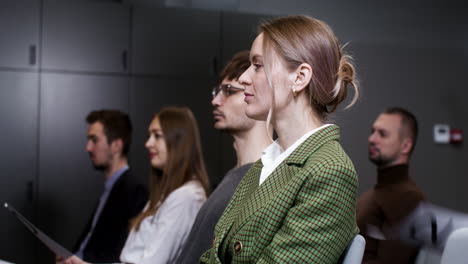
point(394, 197)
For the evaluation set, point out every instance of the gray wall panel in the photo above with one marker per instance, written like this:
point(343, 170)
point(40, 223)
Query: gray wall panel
point(19, 28)
point(426, 81)
point(239, 31)
point(175, 42)
point(18, 161)
point(85, 36)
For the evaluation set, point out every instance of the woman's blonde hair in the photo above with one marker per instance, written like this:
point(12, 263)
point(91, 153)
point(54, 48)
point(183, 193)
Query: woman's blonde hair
point(303, 39)
point(184, 159)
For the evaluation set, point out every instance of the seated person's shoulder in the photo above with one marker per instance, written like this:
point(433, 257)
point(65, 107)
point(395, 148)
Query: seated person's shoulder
point(400, 193)
point(130, 183)
point(330, 159)
point(398, 205)
point(187, 192)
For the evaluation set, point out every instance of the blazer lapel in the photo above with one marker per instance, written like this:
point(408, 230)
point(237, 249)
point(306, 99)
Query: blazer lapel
point(263, 193)
point(245, 189)
point(256, 196)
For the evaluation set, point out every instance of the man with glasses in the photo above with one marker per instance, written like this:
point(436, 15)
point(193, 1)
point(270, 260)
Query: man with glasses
point(250, 139)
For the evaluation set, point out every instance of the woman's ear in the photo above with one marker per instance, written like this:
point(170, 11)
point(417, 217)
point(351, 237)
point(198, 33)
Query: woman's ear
point(303, 75)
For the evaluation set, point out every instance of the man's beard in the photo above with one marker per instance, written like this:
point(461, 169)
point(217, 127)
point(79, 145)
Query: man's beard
point(100, 167)
point(234, 127)
point(228, 130)
point(381, 161)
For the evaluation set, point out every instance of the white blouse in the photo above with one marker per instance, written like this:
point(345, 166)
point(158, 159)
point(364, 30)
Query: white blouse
point(162, 236)
point(273, 155)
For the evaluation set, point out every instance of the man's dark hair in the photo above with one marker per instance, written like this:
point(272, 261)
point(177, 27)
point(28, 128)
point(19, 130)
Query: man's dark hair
point(236, 66)
point(408, 122)
point(116, 125)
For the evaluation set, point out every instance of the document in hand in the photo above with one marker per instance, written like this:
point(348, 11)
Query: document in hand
point(51, 244)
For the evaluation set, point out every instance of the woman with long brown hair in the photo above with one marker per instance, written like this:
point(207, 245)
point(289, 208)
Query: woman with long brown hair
point(178, 188)
point(297, 203)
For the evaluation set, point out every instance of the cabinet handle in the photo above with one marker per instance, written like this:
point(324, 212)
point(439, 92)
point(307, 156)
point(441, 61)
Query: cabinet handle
point(32, 55)
point(30, 191)
point(124, 59)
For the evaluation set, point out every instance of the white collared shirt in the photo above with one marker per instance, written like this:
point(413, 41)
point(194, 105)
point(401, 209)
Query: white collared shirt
point(272, 156)
point(161, 236)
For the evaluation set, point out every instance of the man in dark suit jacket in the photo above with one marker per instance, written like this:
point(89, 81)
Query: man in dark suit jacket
point(109, 136)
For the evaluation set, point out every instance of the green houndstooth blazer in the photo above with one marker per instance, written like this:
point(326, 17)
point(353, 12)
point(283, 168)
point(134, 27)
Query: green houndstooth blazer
point(304, 212)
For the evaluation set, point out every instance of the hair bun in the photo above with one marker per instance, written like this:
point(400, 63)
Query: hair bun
point(346, 70)
point(346, 76)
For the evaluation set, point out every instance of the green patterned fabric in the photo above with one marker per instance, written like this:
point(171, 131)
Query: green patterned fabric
point(304, 212)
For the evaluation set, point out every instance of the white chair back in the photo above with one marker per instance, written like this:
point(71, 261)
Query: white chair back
point(355, 251)
point(456, 248)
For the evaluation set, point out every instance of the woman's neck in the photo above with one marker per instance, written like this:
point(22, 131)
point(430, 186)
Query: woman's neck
point(291, 124)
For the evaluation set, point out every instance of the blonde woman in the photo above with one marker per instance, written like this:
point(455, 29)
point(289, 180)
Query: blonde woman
point(297, 203)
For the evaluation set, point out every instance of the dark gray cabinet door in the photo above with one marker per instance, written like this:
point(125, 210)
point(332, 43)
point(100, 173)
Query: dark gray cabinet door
point(70, 187)
point(85, 36)
point(238, 32)
point(175, 42)
point(149, 95)
point(19, 28)
point(18, 162)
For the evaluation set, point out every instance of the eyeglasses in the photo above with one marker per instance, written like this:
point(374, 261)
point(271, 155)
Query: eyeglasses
point(226, 90)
